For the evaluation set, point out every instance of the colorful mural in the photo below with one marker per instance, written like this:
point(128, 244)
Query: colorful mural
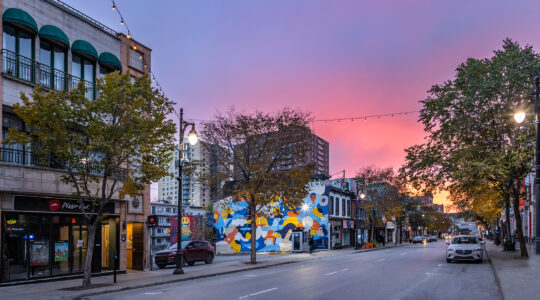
point(233, 228)
point(189, 226)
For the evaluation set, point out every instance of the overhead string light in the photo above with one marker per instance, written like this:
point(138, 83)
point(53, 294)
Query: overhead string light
point(365, 118)
point(129, 36)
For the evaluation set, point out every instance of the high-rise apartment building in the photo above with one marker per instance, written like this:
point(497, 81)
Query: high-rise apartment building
point(195, 191)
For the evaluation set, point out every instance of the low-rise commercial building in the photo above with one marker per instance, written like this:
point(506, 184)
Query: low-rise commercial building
point(43, 233)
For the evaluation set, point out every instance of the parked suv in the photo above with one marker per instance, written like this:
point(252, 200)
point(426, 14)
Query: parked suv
point(192, 251)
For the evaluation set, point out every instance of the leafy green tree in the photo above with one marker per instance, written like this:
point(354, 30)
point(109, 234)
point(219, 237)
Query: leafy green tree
point(265, 155)
point(472, 138)
point(382, 195)
point(110, 148)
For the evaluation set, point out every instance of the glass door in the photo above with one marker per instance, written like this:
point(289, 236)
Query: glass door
point(14, 256)
point(105, 246)
point(79, 245)
point(297, 242)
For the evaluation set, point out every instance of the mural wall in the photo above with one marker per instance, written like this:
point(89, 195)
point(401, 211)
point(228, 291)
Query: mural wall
point(191, 227)
point(233, 228)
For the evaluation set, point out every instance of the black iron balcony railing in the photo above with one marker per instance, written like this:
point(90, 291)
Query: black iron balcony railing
point(27, 158)
point(23, 157)
point(24, 68)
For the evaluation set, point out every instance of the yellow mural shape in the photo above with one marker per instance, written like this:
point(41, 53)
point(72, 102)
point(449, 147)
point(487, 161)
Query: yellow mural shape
point(262, 222)
point(248, 235)
point(291, 220)
point(316, 212)
point(235, 246)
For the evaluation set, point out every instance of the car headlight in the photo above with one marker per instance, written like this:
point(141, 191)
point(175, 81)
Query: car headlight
point(477, 250)
point(450, 250)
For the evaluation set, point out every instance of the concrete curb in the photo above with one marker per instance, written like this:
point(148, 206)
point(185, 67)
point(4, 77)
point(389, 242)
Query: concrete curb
point(497, 280)
point(127, 288)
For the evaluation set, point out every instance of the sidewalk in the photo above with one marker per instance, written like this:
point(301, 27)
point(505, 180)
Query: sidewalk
point(518, 278)
point(134, 279)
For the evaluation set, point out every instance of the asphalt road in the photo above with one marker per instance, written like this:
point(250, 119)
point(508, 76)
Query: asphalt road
point(409, 272)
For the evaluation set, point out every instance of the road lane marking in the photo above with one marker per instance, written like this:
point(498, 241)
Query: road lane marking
point(404, 253)
point(331, 273)
point(152, 293)
point(250, 275)
point(439, 265)
point(257, 293)
point(344, 270)
point(379, 260)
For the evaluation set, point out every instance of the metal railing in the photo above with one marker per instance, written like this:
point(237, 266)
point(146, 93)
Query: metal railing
point(28, 158)
point(83, 17)
point(24, 68)
point(23, 157)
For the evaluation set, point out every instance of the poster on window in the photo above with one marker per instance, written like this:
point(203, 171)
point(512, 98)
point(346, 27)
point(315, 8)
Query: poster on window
point(39, 253)
point(60, 251)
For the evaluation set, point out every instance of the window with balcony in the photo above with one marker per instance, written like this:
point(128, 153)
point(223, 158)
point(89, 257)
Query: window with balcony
point(53, 66)
point(18, 154)
point(18, 53)
point(83, 68)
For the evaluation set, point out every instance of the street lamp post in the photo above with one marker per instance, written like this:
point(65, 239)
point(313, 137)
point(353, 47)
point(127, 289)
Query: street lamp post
point(362, 196)
point(520, 117)
point(192, 138)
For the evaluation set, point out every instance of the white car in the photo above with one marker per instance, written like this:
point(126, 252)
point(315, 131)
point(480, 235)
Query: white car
point(464, 247)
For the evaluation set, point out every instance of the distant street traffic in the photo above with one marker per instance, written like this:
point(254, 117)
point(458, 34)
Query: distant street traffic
point(409, 272)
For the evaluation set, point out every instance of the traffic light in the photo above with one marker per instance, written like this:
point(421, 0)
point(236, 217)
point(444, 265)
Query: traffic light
point(152, 220)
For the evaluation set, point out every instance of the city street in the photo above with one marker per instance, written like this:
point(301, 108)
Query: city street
point(409, 272)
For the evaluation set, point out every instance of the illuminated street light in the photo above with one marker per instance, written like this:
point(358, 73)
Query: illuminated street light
point(519, 117)
point(193, 137)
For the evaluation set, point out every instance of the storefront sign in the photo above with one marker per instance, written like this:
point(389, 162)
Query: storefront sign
point(123, 237)
point(27, 203)
point(61, 251)
point(11, 221)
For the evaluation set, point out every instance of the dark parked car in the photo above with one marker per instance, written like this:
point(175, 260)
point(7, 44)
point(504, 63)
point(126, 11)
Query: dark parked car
point(417, 239)
point(192, 251)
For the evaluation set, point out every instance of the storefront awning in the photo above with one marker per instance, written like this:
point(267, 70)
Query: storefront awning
point(110, 60)
point(85, 48)
point(19, 16)
point(54, 33)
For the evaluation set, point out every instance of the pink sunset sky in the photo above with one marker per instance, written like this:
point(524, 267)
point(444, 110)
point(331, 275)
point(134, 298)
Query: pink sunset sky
point(332, 58)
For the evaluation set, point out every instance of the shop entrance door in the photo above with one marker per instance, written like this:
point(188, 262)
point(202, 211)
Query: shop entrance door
point(105, 247)
point(297, 242)
point(135, 246)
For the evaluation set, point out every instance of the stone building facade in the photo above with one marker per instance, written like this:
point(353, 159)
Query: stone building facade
point(48, 43)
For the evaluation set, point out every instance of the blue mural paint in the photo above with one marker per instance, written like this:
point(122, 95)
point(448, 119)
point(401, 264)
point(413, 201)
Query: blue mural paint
point(273, 233)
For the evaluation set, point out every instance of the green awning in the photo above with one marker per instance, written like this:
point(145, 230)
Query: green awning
point(84, 47)
point(54, 33)
point(19, 16)
point(110, 60)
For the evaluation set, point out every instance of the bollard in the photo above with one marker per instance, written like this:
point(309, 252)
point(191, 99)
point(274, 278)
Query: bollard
point(115, 264)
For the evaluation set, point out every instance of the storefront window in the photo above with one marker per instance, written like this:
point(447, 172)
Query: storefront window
point(39, 247)
point(43, 245)
point(60, 240)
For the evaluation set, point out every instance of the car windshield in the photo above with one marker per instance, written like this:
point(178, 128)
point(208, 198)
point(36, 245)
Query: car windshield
point(417, 238)
point(184, 244)
point(465, 240)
